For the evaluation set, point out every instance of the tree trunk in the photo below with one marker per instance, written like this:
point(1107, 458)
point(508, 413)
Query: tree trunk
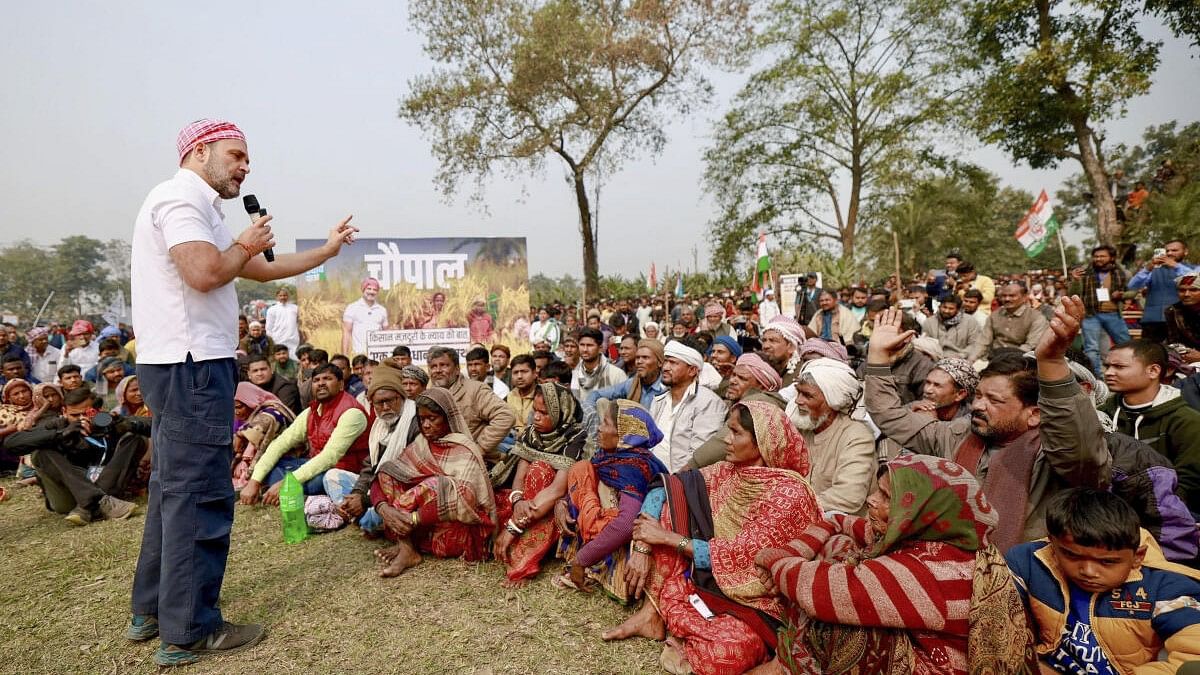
point(591, 268)
point(1108, 228)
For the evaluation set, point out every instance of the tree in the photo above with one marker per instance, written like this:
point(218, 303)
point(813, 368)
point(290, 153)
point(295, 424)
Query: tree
point(79, 274)
point(591, 82)
point(838, 117)
point(1053, 73)
point(965, 209)
point(1168, 163)
point(25, 279)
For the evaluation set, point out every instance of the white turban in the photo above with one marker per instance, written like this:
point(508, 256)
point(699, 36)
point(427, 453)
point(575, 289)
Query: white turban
point(683, 353)
point(791, 331)
point(837, 382)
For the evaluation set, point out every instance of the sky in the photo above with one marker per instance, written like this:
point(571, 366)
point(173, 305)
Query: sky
point(95, 93)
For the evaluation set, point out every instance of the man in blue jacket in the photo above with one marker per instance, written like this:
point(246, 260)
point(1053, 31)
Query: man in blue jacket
point(1158, 278)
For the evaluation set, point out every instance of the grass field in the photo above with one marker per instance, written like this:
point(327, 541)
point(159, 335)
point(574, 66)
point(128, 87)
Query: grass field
point(65, 597)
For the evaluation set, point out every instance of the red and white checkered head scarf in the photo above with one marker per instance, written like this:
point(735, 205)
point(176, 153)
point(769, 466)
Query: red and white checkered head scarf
point(205, 131)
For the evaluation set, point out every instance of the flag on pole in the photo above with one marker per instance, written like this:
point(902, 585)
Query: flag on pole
point(1038, 226)
point(652, 280)
point(760, 277)
point(679, 285)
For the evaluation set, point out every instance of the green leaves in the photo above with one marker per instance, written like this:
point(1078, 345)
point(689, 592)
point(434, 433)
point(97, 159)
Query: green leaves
point(589, 82)
point(847, 102)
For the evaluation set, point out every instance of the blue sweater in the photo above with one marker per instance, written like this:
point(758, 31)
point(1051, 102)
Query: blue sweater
point(1160, 285)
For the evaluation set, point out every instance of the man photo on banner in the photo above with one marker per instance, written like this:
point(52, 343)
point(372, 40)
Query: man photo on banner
point(185, 308)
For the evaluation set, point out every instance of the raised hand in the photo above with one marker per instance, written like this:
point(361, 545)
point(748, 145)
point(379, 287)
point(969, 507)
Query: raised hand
point(1051, 350)
point(887, 338)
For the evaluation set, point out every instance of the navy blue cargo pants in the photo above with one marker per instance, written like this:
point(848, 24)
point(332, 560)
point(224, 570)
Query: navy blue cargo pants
point(190, 510)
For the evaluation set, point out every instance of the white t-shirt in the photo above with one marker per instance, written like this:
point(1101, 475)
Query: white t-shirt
point(364, 318)
point(283, 326)
point(171, 318)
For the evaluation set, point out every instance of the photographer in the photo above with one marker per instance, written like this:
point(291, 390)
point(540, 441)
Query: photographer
point(84, 458)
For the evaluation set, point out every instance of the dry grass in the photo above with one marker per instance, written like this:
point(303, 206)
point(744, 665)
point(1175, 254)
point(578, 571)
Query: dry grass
point(64, 603)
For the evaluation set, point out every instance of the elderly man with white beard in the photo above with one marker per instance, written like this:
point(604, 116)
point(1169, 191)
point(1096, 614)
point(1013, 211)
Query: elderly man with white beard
point(841, 449)
point(392, 393)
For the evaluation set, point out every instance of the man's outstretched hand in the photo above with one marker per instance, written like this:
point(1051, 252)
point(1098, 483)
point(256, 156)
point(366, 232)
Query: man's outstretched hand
point(342, 233)
point(887, 339)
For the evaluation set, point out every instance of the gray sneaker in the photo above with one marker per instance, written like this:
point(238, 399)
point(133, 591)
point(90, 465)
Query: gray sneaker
point(116, 509)
point(79, 516)
point(141, 627)
point(227, 639)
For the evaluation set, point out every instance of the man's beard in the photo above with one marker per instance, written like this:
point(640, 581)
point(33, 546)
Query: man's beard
point(389, 418)
point(220, 180)
point(806, 422)
point(445, 382)
point(990, 431)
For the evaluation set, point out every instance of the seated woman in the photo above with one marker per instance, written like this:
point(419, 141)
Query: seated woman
point(16, 406)
point(436, 496)
point(258, 417)
point(543, 453)
point(129, 398)
point(604, 496)
point(915, 587)
point(704, 585)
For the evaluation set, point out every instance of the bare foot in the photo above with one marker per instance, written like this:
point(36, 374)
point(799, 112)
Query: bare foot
point(510, 583)
point(644, 623)
point(385, 555)
point(407, 557)
point(673, 660)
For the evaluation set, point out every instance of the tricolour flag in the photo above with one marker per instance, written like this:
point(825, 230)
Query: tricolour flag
point(1038, 226)
point(679, 285)
point(760, 277)
point(652, 280)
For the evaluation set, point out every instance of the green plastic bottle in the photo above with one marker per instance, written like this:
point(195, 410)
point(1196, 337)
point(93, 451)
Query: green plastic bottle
point(291, 510)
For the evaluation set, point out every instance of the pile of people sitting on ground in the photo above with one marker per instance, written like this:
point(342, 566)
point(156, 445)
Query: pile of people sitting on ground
point(924, 505)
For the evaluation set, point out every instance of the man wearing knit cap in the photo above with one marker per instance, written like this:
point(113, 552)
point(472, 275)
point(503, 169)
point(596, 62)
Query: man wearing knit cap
point(361, 317)
point(781, 342)
point(842, 450)
point(949, 388)
point(185, 307)
point(395, 425)
point(687, 413)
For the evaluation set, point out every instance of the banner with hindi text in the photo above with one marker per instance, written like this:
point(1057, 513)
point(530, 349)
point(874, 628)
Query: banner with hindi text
point(478, 284)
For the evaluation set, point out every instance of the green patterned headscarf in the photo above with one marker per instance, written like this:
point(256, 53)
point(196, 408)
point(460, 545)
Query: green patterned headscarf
point(934, 499)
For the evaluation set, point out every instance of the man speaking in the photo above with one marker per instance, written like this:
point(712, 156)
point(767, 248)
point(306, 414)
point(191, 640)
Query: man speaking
point(186, 312)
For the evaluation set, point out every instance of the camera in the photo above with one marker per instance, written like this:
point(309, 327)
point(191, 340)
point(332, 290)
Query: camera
point(101, 423)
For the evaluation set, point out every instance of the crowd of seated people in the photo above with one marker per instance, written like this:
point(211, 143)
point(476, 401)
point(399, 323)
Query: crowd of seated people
point(903, 507)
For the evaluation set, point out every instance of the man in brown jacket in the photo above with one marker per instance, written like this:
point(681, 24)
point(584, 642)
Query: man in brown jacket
point(488, 418)
point(1040, 426)
point(1017, 324)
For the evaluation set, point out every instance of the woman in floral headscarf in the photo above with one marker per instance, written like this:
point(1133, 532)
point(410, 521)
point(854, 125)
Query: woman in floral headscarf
point(258, 417)
point(703, 544)
point(915, 587)
point(17, 405)
point(604, 496)
point(549, 446)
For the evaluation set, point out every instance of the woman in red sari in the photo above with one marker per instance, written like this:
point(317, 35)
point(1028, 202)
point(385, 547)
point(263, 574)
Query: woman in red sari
point(705, 587)
point(435, 497)
point(542, 455)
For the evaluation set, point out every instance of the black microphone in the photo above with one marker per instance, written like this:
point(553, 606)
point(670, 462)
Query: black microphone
point(257, 211)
